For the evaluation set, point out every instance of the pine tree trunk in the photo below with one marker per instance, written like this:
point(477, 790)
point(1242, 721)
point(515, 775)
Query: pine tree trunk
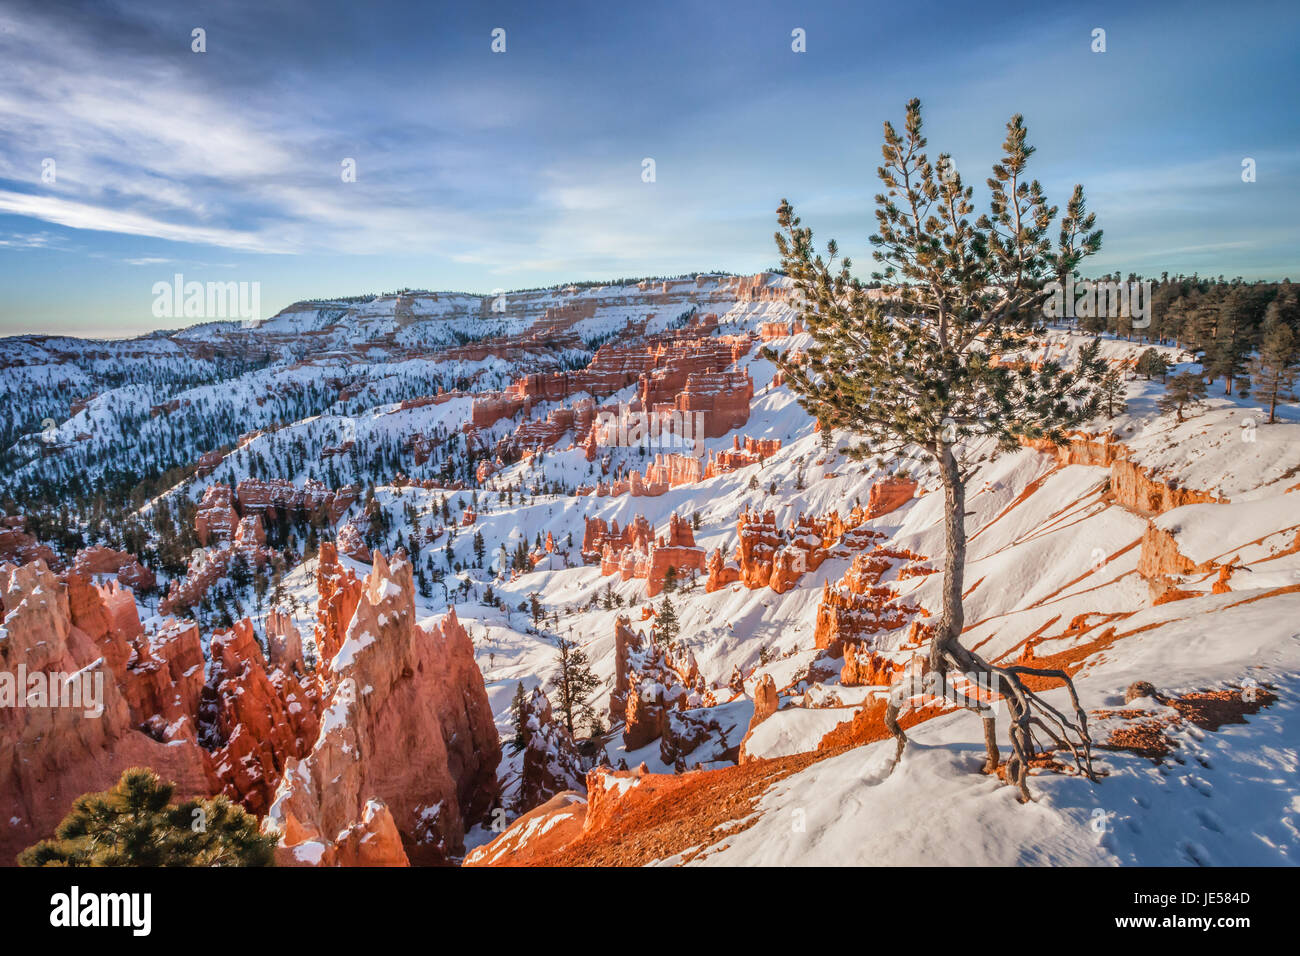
point(954, 570)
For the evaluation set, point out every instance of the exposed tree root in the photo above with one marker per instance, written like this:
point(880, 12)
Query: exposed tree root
point(1028, 712)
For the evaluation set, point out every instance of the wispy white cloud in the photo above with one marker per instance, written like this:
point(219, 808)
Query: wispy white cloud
point(37, 240)
point(80, 215)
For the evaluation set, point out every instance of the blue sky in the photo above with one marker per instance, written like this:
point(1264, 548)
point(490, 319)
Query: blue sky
point(478, 171)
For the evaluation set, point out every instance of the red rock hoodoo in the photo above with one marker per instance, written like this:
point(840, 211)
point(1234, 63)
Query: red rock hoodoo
point(407, 747)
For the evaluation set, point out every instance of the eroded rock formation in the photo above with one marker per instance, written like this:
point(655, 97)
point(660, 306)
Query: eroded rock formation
point(634, 553)
point(769, 556)
point(338, 592)
point(19, 547)
point(766, 703)
point(49, 755)
point(125, 567)
point(649, 682)
point(254, 720)
point(406, 730)
point(550, 764)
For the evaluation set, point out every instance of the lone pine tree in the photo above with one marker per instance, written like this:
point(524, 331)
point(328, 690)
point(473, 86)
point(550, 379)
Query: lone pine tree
point(518, 714)
point(1151, 363)
point(912, 366)
point(1275, 369)
point(1183, 390)
point(1110, 391)
point(666, 624)
point(573, 681)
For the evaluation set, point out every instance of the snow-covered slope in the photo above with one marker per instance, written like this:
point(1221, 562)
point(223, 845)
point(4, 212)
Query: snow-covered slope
point(1068, 562)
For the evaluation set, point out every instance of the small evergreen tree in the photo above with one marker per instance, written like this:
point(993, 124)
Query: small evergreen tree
point(518, 715)
point(1274, 370)
point(595, 723)
point(1110, 390)
point(670, 579)
point(135, 824)
point(574, 681)
point(1182, 391)
point(1151, 363)
point(667, 626)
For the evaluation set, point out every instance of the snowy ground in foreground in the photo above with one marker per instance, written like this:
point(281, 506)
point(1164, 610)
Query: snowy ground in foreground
point(1223, 798)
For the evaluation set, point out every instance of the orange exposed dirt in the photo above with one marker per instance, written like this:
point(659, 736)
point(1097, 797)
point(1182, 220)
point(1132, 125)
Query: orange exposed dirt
point(677, 814)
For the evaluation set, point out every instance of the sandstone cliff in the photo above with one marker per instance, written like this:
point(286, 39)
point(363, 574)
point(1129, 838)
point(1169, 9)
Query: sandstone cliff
point(49, 755)
point(407, 737)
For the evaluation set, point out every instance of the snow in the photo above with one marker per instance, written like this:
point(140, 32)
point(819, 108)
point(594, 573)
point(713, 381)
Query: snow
point(309, 852)
point(1218, 531)
point(352, 646)
point(795, 730)
point(1047, 546)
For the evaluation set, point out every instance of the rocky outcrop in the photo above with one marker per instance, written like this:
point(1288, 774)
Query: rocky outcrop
point(351, 543)
point(856, 614)
point(686, 732)
point(626, 642)
point(643, 717)
point(1099, 451)
point(752, 452)
point(284, 643)
point(544, 433)
point(160, 674)
point(208, 463)
point(406, 729)
point(216, 520)
point(254, 721)
point(1134, 488)
point(649, 682)
point(865, 667)
point(767, 331)
point(721, 572)
point(766, 703)
point(19, 547)
point(632, 553)
point(338, 592)
point(272, 496)
point(678, 372)
point(597, 535)
point(1159, 556)
point(860, 606)
point(670, 471)
point(613, 794)
point(1131, 484)
point(74, 730)
point(889, 494)
point(125, 567)
point(542, 830)
point(207, 566)
point(769, 556)
point(550, 763)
